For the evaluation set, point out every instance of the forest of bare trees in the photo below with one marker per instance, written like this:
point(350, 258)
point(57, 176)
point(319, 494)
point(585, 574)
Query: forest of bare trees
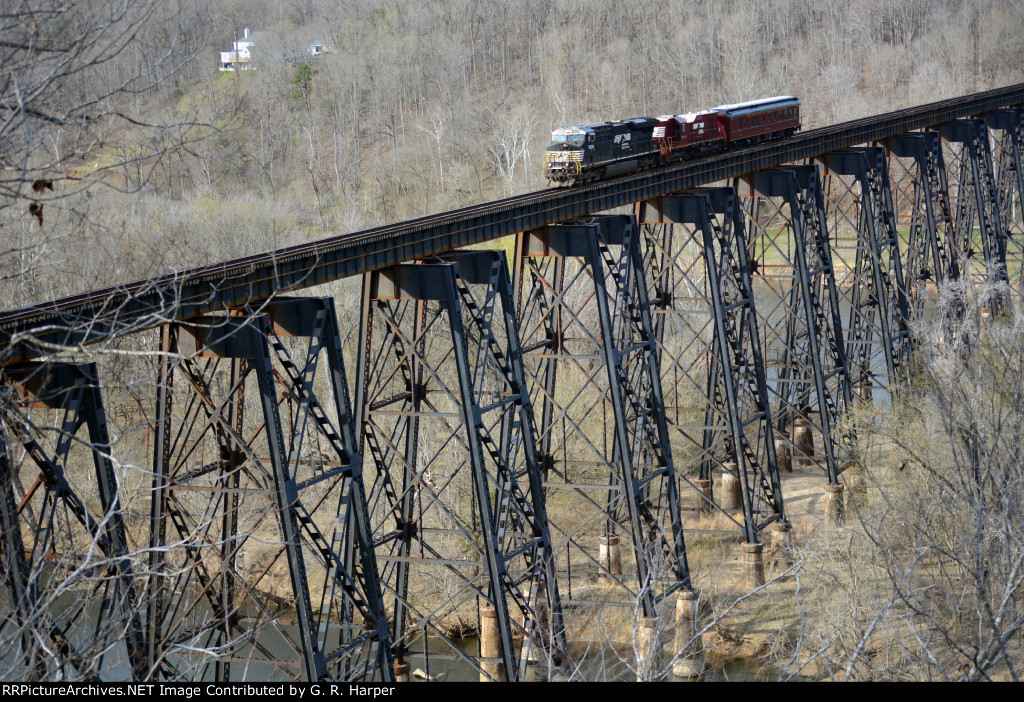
point(418, 107)
point(125, 153)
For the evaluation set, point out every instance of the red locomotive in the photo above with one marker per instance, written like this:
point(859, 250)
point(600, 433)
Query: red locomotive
point(592, 152)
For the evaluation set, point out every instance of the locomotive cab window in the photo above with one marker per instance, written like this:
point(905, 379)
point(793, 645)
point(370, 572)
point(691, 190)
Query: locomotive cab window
point(570, 139)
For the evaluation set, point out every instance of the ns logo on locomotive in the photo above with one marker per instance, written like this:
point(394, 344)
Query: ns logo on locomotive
point(596, 151)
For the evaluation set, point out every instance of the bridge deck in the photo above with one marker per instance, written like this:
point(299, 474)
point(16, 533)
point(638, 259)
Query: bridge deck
point(123, 309)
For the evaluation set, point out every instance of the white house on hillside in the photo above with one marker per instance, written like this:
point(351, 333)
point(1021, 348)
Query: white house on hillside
point(240, 55)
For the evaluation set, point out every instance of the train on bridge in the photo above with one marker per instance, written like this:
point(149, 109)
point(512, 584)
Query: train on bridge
point(597, 151)
point(387, 491)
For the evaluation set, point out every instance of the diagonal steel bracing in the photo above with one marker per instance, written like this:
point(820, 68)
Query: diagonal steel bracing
point(975, 196)
point(73, 601)
point(1006, 128)
point(707, 332)
point(593, 370)
point(866, 253)
point(803, 341)
point(457, 505)
point(261, 552)
point(920, 192)
point(261, 559)
point(683, 326)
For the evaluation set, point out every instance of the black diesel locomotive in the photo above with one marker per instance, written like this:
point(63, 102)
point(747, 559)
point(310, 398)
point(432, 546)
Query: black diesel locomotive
point(596, 151)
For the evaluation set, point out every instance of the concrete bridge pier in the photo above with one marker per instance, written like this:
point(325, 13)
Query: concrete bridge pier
point(689, 660)
point(835, 507)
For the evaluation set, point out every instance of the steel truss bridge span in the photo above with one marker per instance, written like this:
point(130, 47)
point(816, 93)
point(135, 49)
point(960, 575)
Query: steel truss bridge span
point(528, 444)
point(117, 310)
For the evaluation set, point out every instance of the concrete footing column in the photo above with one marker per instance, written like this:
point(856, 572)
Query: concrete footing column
point(983, 335)
point(609, 554)
point(753, 564)
point(867, 392)
point(707, 488)
point(689, 648)
point(490, 645)
point(835, 510)
point(732, 491)
point(781, 545)
point(784, 454)
point(858, 490)
point(804, 440)
point(648, 646)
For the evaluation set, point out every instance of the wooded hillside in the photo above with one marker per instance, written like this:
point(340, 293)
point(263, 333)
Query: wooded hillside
point(159, 161)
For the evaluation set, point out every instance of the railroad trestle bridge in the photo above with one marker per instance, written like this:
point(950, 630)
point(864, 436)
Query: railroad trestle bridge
point(509, 441)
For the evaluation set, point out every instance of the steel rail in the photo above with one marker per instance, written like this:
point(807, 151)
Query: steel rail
point(118, 310)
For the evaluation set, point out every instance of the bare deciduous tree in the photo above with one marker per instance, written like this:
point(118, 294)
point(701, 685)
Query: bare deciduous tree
point(509, 148)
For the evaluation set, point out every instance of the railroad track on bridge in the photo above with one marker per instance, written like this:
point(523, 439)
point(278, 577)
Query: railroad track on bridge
point(619, 370)
point(121, 309)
